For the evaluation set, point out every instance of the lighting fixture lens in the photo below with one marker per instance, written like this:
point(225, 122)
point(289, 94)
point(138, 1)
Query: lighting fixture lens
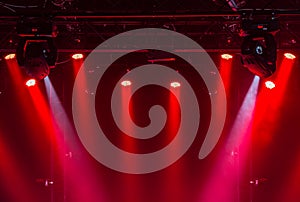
point(126, 83)
point(10, 56)
point(175, 84)
point(226, 56)
point(270, 84)
point(31, 82)
point(77, 56)
point(289, 56)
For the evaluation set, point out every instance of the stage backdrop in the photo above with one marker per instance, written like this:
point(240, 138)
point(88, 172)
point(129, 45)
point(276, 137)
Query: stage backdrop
point(45, 131)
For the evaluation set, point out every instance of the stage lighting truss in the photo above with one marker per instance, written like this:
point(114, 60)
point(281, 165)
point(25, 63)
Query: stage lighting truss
point(259, 51)
point(36, 52)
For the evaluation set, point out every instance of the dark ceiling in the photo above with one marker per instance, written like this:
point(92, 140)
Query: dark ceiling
point(85, 24)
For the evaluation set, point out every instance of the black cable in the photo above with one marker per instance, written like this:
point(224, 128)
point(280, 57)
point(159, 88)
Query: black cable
point(18, 6)
point(5, 6)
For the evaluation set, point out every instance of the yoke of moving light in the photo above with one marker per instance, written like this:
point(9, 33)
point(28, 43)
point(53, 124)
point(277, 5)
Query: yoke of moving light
point(36, 52)
point(259, 51)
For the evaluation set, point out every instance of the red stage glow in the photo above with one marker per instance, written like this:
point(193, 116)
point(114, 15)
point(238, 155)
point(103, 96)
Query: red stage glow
point(262, 136)
point(30, 82)
point(175, 84)
point(126, 123)
point(238, 145)
point(92, 186)
point(282, 77)
point(77, 56)
point(10, 56)
point(226, 56)
point(16, 76)
point(77, 64)
point(174, 114)
point(225, 70)
point(289, 56)
point(126, 83)
point(14, 177)
point(270, 84)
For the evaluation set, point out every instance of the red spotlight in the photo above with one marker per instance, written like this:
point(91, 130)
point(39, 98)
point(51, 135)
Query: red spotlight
point(10, 56)
point(30, 82)
point(77, 56)
point(126, 83)
point(175, 84)
point(289, 56)
point(226, 56)
point(270, 84)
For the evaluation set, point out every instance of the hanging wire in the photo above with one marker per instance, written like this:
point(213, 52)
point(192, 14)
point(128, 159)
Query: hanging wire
point(58, 3)
point(17, 6)
point(7, 7)
point(11, 6)
point(62, 62)
point(45, 3)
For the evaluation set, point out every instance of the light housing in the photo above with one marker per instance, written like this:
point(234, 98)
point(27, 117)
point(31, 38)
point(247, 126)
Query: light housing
point(36, 56)
point(259, 54)
point(259, 50)
point(36, 52)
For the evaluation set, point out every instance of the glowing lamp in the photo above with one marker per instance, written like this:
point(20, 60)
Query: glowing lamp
point(175, 84)
point(30, 82)
point(126, 83)
point(77, 56)
point(270, 84)
point(226, 56)
point(10, 56)
point(289, 56)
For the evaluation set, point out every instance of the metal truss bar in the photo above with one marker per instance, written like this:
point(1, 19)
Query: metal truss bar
point(95, 15)
point(214, 50)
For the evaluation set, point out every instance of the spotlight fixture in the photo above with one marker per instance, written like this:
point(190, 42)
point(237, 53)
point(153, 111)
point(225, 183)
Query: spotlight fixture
point(175, 84)
point(226, 56)
point(30, 82)
point(10, 56)
point(36, 52)
point(126, 83)
point(77, 56)
point(259, 46)
point(270, 84)
point(289, 56)
point(259, 54)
